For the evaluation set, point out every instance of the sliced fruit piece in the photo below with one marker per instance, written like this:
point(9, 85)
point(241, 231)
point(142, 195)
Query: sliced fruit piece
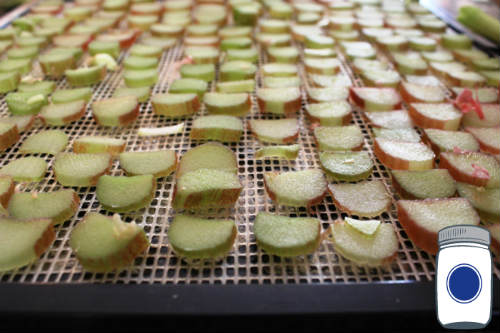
point(328, 94)
point(409, 63)
point(25, 169)
point(491, 117)
point(465, 79)
point(141, 93)
point(100, 47)
point(98, 144)
point(393, 42)
point(320, 53)
point(402, 155)
point(218, 128)
point(378, 249)
point(116, 111)
point(206, 188)
point(346, 166)
point(456, 41)
point(483, 95)
point(231, 31)
point(235, 43)
point(287, 236)
point(488, 138)
point(7, 187)
point(161, 131)
point(478, 169)
point(243, 86)
point(22, 66)
point(281, 82)
point(63, 113)
point(25, 103)
point(58, 206)
point(338, 138)
point(277, 69)
point(9, 81)
point(381, 78)
point(287, 54)
point(175, 105)
point(249, 55)
point(435, 115)
point(285, 101)
point(366, 227)
point(375, 99)
point(339, 80)
point(166, 30)
point(144, 50)
point(39, 87)
point(486, 64)
point(435, 183)
point(199, 238)
point(287, 152)
point(422, 219)
point(275, 131)
point(205, 72)
point(186, 86)
point(125, 194)
point(422, 43)
point(400, 134)
point(229, 104)
point(125, 37)
point(296, 188)
point(237, 70)
point(71, 95)
point(163, 43)
point(9, 135)
point(441, 69)
point(416, 93)
point(485, 201)
point(73, 169)
point(469, 55)
point(492, 77)
point(138, 63)
point(104, 244)
point(160, 163)
point(23, 124)
point(326, 66)
point(85, 76)
point(367, 198)
point(66, 40)
point(140, 78)
point(362, 65)
point(45, 142)
point(438, 56)
point(202, 54)
point(389, 119)
point(440, 140)
point(23, 242)
point(210, 155)
point(330, 113)
point(29, 52)
point(104, 59)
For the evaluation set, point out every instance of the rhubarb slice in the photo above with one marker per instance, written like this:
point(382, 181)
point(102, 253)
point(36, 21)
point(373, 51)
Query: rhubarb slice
point(205, 72)
point(25, 103)
point(339, 138)
point(296, 188)
point(23, 124)
point(23, 242)
point(25, 169)
point(22, 66)
point(490, 118)
point(398, 134)
point(210, 155)
point(485, 201)
point(6, 190)
point(71, 95)
point(284, 101)
point(81, 169)
point(415, 93)
point(277, 69)
point(140, 78)
point(275, 131)
point(330, 113)
point(104, 244)
point(287, 236)
point(287, 54)
point(409, 63)
point(440, 140)
point(175, 105)
point(143, 50)
point(488, 138)
point(389, 119)
point(339, 80)
point(422, 219)
point(378, 249)
point(375, 99)
point(45, 142)
point(58, 206)
point(116, 111)
point(483, 95)
point(478, 169)
point(281, 82)
point(381, 78)
point(228, 104)
point(198, 238)
point(99, 47)
point(125, 194)
point(435, 183)
point(346, 166)
point(286, 152)
point(217, 127)
point(9, 135)
point(237, 70)
point(62, 113)
point(138, 63)
point(189, 86)
point(141, 93)
point(9, 81)
point(85, 76)
point(367, 198)
point(402, 155)
point(328, 94)
point(159, 163)
point(98, 144)
point(243, 86)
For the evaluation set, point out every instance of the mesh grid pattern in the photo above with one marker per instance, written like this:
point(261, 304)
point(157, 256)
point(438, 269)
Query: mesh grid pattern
point(246, 263)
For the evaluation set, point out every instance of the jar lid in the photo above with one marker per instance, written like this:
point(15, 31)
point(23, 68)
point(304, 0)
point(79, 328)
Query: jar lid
point(463, 233)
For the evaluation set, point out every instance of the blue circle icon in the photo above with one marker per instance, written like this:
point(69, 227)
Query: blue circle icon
point(464, 283)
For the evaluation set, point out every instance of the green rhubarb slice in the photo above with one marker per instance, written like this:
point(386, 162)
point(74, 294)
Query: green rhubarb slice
point(143, 50)
point(330, 113)
point(186, 86)
point(8, 81)
point(279, 100)
point(398, 134)
point(23, 241)
point(6, 190)
point(243, 86)
point(40, 87)
point(73, 169)
point(346, 166)
point(449, 140)
point(287, 236)
point(249, 55)
point(138, 63)
point(276, 130)
point(339, 138)
point(286, 152)
point(483, 95)
point(277, 69)
point(175, 105)
point(25, 169)
point(205, 72)
point(280, 82)
point(199, 238)
point(116, 111)
point(105, 47)
point(472, 167)
point(29, 52)
point(98, 144)
point(159, 163)
point(141, 93)
point(235, 104)
point(22, 66)
point(484, 200)
point(63, 113)
point(218, 128)
point(287, 54)
point(377, 250)
point(435, 183)
point(71, 95)
point(104, 244)
point(366, 227)
point(25, 103)
point(9, 135)
point(237, 70)
point(327, 94)
point(210, 155)
point(367, 198)
point(125, 194)
point(296, 188)
point(23, 123)
point(140, 78)
point(58, 206)
point(85, 76)
point(45, 142)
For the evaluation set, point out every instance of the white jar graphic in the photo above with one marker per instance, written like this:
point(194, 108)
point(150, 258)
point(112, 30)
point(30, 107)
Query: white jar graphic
point(463, 282)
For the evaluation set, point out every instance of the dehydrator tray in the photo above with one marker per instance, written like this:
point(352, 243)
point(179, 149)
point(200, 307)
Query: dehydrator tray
point(247, 280)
